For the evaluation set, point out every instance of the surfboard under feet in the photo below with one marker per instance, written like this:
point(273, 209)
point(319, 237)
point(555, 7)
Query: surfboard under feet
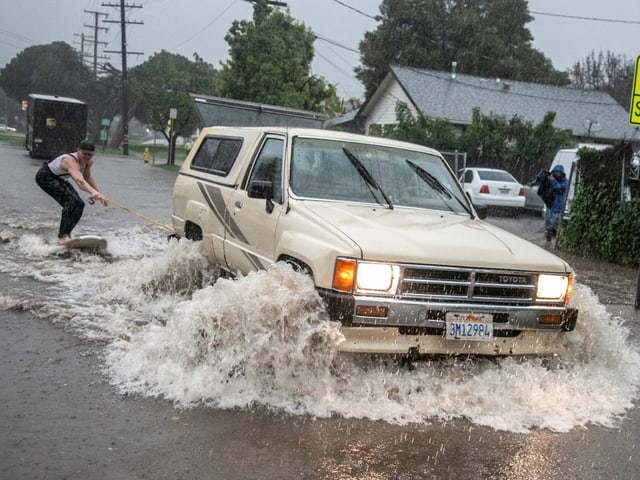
point(87, 242)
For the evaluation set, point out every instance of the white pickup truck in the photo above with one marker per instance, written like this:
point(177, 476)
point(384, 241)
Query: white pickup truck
point(396, 250)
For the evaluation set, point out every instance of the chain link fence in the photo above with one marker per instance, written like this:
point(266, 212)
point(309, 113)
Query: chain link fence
point(456, 160)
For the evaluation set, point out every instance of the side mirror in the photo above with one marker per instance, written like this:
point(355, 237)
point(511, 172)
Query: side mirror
point(262, 189)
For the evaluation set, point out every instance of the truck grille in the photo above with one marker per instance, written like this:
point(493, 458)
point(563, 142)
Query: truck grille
point(466, 285)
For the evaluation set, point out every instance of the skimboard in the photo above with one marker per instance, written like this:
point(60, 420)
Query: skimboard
point(87, 242)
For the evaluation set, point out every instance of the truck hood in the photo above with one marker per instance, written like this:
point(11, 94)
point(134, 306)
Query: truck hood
point(432, 237)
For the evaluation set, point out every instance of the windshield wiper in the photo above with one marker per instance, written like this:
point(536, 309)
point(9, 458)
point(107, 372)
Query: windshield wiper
point(367, 177)
point(434, 183)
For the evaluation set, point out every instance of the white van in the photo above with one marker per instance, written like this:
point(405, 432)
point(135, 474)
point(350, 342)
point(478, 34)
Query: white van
point(568, 158)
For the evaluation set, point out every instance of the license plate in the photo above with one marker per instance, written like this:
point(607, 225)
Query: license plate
point(469, 326)
point(504, 190)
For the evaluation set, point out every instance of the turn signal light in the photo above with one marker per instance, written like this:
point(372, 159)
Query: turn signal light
point(567, 295)
point(344, 274)
point(550, 319)
point(372, 311)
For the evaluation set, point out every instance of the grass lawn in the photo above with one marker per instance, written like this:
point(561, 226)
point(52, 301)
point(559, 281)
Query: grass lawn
point(160, 152)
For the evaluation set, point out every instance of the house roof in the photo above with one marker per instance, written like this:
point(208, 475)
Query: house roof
point(440, 95)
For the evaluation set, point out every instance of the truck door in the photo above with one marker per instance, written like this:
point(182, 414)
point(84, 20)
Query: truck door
point(251, 223)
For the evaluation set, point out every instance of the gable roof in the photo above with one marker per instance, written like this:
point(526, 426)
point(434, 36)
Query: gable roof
point(441, 95)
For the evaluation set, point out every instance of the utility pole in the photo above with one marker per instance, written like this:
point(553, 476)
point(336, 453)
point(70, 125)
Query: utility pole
point(87, 41)
point(123, 36)
point(96, 29)
point(81, 35)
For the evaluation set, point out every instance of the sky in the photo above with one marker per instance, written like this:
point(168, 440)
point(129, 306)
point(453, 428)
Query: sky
point(199, 26)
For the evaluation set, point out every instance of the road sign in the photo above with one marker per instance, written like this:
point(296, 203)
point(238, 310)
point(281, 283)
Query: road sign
point(634, 109)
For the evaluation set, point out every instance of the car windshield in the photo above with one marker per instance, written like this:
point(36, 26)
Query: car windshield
point(328, 169)
point(496, 176)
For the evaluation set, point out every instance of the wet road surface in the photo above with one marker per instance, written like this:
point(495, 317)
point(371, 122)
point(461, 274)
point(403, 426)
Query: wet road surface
point(77, 403)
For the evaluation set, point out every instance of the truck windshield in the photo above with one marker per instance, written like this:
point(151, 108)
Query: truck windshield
point(321, 170)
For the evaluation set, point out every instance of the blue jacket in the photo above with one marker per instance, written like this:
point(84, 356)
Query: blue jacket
point(560, 186)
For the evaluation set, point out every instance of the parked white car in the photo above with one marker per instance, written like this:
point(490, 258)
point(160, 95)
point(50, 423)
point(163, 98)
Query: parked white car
point(492, 187)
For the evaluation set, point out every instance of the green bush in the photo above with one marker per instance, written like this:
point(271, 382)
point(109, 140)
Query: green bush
point(603, 225)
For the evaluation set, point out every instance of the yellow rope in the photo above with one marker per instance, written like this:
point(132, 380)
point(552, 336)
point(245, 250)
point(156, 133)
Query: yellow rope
point(137, 214)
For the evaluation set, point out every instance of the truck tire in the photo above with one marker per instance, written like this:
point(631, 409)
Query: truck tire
point(193, 232)
point(297, 265)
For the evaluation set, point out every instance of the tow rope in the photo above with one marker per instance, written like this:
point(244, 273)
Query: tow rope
point(137, 214)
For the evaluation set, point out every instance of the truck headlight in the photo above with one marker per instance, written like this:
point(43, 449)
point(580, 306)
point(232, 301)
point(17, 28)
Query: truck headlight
point(377, 277)
point(350, 275)
point(554, 288)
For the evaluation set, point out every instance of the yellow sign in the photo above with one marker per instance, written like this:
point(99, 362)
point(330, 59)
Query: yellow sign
point(634, 109)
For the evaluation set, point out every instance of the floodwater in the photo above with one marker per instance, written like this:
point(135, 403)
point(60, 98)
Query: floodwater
point(254, 354)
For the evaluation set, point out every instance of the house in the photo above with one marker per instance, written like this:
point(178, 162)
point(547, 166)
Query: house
point(592, 116)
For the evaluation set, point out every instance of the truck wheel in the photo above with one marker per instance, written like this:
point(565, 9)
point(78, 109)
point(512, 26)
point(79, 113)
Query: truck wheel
point(193, 232)
point(297, 265)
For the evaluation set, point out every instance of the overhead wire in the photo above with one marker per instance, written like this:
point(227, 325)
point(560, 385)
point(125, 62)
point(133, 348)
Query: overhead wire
point(593, 19)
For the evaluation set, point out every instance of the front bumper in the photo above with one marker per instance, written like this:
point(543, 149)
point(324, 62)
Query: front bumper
point(384, 340)
point(419, 324)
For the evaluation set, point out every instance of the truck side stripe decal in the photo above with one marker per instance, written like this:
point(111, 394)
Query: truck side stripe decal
point(214, 198)
point(208, 194)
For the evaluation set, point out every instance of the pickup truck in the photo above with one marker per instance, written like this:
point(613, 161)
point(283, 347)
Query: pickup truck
point(397, 252)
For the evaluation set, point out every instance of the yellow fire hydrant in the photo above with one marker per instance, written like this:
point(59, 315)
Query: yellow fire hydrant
point(145, 155)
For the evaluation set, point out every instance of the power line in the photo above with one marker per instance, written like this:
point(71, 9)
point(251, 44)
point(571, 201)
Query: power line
point(593, 19)
point(215, 19)
point(17, 36)
point(333, 42)
point(356, 10)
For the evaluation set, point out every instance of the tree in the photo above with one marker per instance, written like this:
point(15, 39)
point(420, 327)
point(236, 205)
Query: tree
point(432, 132)
point(53, 69)
point(163, 82)
point(484, 37)
point(486, 138)
point(515, 145)
point(56, 69)
point(270, 58)
point(607, 72)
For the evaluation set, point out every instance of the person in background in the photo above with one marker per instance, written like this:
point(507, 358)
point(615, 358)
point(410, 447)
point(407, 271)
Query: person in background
point(53, 178)
point(558, 183)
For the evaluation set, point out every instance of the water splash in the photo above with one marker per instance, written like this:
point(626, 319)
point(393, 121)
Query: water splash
point(174, 330)
point(261, 340)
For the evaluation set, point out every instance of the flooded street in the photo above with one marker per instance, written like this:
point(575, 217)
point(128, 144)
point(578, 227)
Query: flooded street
point(138, 364)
